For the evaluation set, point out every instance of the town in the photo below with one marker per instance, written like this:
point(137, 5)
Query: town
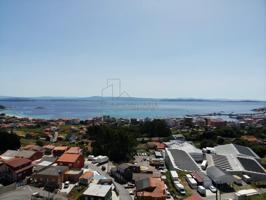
point(193, 158)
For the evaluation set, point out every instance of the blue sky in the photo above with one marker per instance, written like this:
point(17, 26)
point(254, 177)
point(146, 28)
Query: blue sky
point(158, 48)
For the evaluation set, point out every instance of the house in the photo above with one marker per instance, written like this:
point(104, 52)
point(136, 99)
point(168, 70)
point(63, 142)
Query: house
point(2, 171)
point(216, 122)
point(159, 146)
point(73, 175)
point(8, 155)
point(124, 172)
point(52, 175)
point(86, 178)
point(26, 193)
point(71, 160)
point(98, 192)
point(48, 149)
point(58, 151)
point(150, 189)
point(18, 169)
point(45, 162)
point(29, 154)
point(32, 147)
point(74, 150)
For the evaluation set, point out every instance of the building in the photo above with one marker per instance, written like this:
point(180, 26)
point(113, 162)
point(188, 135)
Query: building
point(17, 169)
point(8, 155)
point(52, 176)
point(216, 122)
point(124, 172)
point(74, 150)
point(73, 176)
point(189, 148)
point(98, 192)
point(29, 154)
point(26, 192)
point(48, 149)
point(237, 160)
point(58, 151)
point(86, 178)
point(180, 160)
point(219, 177)
point(71, 160)
point(32, 147)
point(150, 189)
point(45, 162)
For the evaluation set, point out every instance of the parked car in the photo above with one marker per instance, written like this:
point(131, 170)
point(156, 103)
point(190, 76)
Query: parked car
point(66, 185)
point(246, 178)
point(179, 187)
point(213, 189)
point(201, 190)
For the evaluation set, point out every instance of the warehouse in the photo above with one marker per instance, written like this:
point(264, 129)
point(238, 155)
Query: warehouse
point(180, 160)
point(237, 160)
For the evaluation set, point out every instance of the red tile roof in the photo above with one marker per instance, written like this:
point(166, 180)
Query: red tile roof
point(86, 175)
point(68, 158)
point(158, 189)
point(16, 162)
point(61, 148)
point(75, 150)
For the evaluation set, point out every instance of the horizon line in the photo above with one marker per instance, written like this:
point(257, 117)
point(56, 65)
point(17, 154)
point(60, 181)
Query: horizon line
point(135, 97)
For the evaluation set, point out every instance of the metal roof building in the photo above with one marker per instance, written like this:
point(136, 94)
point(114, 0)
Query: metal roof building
point(235, 150)
point(218, 176)
point(180, 160)
point(189, 148)
point(237, 160)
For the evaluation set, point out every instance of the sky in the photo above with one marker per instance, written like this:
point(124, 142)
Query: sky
point(157, 48)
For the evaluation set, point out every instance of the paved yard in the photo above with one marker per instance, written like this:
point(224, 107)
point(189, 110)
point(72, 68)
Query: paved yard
point(67, 190)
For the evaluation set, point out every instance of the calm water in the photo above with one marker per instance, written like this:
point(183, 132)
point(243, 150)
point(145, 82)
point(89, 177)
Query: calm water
point(126, 108)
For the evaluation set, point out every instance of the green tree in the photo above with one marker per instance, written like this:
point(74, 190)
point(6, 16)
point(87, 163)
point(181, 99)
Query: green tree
point(8, 141)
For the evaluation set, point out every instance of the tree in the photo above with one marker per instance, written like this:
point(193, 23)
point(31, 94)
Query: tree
point(155, 128)
point(116, 143)
point(8, 141)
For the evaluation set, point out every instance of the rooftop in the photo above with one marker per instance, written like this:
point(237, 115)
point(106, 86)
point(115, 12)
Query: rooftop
point(74, 150)
point(25, 153)
point(17, 162)
point(69, 158)
point(9, 153)
point(87, 175)
point(182, 160)
point(235, 150)
point(61, 148)
point(97, 190)
point(53, 170)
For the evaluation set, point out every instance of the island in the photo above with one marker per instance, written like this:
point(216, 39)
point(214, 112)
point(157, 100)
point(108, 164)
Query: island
point(263, 109)
point(2, 107)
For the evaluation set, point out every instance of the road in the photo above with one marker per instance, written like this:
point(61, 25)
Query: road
point(123, 193)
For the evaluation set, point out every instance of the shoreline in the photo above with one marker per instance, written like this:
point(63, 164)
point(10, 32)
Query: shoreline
point(221, 115)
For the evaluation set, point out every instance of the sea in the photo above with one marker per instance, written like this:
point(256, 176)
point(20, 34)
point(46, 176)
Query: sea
point(87, 108)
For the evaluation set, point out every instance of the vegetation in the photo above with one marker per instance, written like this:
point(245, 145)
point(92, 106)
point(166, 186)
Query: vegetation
point(155, 128)
point(258, 197)
point(228, 134)
point(76, 192)
point(9, 141)
point(119, 142)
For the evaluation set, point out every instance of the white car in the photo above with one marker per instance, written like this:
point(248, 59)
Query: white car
point(66, 185)
point(213, 189)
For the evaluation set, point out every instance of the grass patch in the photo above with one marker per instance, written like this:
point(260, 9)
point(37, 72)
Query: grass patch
point(76, 192)
point(258, 197)
point(171, 187)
